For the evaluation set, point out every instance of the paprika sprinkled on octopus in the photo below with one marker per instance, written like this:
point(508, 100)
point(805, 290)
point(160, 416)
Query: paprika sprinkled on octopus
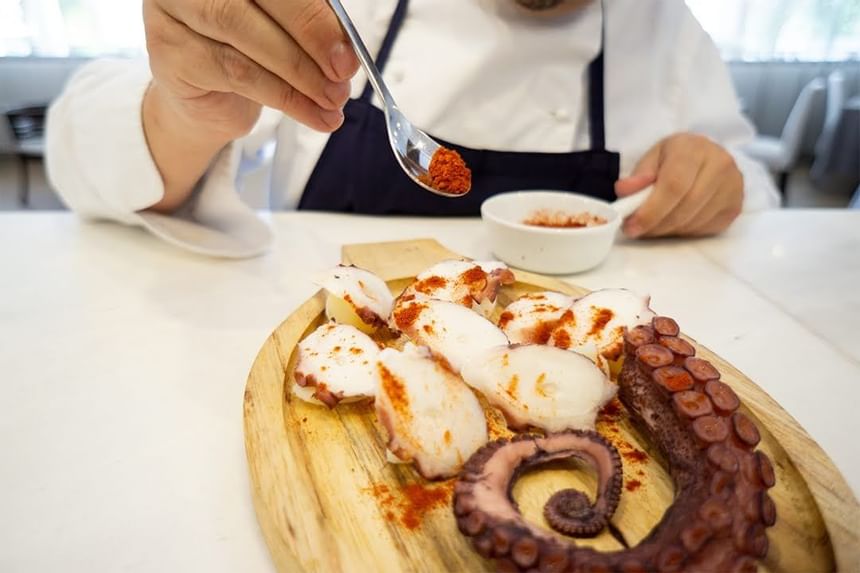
point(721, 510)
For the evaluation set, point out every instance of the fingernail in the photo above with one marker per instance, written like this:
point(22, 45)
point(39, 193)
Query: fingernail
point(332, 118)
point(343, 61)
point(337, 93)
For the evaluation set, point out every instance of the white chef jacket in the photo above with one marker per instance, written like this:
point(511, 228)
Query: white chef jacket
point(480, 73)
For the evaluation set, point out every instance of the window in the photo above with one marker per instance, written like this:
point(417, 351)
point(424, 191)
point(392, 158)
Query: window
point(809, 30)
point(814, 30)
point(70, 27)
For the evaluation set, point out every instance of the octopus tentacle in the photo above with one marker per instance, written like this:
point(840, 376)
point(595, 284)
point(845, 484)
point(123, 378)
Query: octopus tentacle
point(488, 478)
point(721, 510)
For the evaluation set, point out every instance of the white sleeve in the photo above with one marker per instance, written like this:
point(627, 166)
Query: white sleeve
point(98, 161)
point(96, 154)
point(710, 107)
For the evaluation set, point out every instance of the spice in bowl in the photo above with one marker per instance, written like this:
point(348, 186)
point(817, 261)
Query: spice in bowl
point(448, 172)
point(563, 220)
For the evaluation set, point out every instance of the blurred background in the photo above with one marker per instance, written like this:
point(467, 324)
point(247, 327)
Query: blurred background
point(795, 65)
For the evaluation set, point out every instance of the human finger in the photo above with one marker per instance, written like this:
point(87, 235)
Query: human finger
point(676, 174)
point(314, 26)
point(244, 26)
point(719, 187)
point(209, 65)
point(706, 186)
point(644, 174)
point(633, 184)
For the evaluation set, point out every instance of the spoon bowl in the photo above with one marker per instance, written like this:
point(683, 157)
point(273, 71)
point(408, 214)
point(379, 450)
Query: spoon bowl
point(412, 147)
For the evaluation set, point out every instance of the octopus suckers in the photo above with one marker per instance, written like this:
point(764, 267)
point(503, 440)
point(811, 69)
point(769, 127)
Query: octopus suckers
point(721, 511)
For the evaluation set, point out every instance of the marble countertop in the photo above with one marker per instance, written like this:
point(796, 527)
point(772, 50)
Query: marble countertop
point(123, 363)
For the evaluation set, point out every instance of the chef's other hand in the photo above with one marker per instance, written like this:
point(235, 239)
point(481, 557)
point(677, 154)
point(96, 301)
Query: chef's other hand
point(698, 189)
point(215, 62)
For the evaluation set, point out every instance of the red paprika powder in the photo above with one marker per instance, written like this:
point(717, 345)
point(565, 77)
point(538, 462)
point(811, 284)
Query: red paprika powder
point(448, 172)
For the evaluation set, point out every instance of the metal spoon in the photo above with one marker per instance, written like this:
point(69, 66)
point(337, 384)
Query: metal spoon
point(412, 147)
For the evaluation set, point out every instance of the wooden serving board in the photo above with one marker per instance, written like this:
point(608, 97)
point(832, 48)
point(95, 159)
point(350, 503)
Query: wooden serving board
point(327, 501)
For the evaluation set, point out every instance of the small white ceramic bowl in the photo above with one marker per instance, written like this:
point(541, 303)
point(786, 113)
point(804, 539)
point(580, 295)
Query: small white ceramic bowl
point(553, 250)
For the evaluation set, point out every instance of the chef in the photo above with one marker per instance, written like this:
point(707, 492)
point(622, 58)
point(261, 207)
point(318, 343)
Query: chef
point(603, 98)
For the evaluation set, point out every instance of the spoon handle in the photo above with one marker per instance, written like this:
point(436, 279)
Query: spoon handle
point(363, 55)
point(628, 205)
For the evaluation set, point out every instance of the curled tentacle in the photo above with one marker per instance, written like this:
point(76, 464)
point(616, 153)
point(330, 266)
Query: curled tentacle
point(488, 478)
point(569, 511)
point(721, 510)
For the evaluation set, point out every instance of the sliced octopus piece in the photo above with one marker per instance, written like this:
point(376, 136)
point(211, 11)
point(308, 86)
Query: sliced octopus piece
point(335, 363)
point(540, 386)
point(472, 284)
point(531, 318)
point(359, 291)
point(452, 332)
point(433, 420)
point(601, 318)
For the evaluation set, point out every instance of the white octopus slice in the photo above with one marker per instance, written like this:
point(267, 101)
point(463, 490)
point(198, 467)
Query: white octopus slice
point(531, 318)
point(541, 386)
point(432, 418)
point(599, 319)
point(472, 284)
point(451, 331)
point(336, 363)
point(357, 297)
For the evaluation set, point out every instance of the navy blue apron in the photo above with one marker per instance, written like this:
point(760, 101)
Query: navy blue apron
point(357, 172)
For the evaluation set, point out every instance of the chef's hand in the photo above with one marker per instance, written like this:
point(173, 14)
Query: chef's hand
point(698, 189)
point(216, 62)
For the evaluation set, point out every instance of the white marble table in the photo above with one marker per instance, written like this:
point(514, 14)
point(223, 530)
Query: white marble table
point(123, 363)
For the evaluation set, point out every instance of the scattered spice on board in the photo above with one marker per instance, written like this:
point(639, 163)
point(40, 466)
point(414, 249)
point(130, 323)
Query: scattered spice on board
point(420, 500)
point(496, 425)
point(408, 505)
point(448, 172)
point(607, 422)
point(634, 455)
point(562, 220)
point(611, 411)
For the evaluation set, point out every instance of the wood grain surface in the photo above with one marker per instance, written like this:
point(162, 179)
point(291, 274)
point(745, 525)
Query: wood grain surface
point(327, 500)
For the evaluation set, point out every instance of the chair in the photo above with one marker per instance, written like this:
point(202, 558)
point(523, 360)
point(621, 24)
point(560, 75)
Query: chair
point(832, 115)
point(28, 131)
point(780, 154)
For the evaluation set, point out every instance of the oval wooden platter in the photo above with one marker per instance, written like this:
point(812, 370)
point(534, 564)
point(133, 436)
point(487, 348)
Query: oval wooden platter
point(327, 500)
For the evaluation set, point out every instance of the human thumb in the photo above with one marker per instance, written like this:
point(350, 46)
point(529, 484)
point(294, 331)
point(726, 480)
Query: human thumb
point(643, 175)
